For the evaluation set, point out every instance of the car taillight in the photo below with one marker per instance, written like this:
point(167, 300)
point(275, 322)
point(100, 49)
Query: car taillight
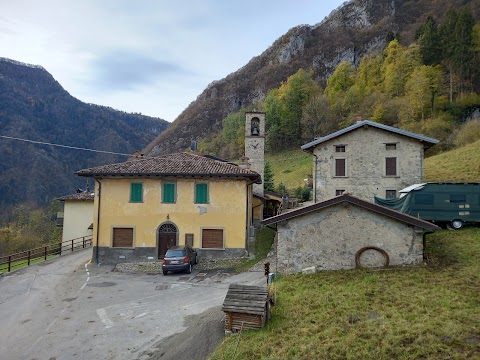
point(186, 259)
point(164, 261)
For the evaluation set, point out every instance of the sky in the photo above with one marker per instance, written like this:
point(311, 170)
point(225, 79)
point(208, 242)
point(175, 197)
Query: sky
point(146, 56)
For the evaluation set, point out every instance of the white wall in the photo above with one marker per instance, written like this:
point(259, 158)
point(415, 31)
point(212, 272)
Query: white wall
point(78, 216)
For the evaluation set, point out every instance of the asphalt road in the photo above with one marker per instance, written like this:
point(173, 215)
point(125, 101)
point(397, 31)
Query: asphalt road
point(65, 309)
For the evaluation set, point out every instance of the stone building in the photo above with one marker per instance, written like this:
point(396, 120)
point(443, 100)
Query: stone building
point(345, 232)
point(255, 145)
point(367, 159)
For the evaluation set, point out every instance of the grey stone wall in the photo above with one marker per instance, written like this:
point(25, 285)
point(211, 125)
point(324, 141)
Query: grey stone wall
point(330, 238)
point(112, 256)
point(255, 147)
point(365, 154)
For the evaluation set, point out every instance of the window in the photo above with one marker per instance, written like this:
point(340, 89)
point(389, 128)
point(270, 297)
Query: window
point(391, 166)
point(391, 146)
point(340, 167)
point(340, 148)
point(136, 192)
point(424, 199)
point(390, 194)
point(339, 192)
point(201, 193)
point(122, 237)
point(168, 193)
point(458, 198)
point(212, 238)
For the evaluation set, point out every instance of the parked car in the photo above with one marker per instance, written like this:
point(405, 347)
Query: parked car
point(179, 258)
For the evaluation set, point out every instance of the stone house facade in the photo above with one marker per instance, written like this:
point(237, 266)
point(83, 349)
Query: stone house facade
point(367, 159)
point(346, 232)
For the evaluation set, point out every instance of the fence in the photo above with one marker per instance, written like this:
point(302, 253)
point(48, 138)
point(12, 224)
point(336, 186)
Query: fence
point(27, 257)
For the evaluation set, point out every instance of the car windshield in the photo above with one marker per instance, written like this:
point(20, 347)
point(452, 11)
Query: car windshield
point(174, 253)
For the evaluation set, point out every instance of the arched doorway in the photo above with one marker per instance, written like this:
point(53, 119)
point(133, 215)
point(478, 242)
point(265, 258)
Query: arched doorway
point(167, 237)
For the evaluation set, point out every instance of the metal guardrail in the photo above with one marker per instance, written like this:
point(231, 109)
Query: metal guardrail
point(27, 257)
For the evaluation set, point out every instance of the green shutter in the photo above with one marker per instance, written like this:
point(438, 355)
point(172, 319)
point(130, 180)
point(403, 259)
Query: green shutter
point(136, 192)
point(168, 193)
point(201, 193)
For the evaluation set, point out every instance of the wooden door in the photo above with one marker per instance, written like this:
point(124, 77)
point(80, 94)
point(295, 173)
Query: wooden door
point(167, 237)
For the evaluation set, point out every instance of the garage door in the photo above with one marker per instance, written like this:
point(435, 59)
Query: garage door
point(212, 238)
point(122, 237)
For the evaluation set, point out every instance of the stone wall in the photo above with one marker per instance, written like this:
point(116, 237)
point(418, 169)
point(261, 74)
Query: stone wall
point(330, 238)
point(112, 256)
point(365, 153)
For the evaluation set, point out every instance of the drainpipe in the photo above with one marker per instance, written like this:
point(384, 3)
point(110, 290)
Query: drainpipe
point(98, 217)
point(315, 180)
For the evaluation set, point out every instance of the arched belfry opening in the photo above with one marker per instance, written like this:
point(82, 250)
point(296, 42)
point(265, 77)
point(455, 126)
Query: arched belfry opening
point(255, 127)
point(167, 235)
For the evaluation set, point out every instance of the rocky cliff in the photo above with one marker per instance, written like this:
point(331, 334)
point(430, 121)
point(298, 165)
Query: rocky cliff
point(352, 30)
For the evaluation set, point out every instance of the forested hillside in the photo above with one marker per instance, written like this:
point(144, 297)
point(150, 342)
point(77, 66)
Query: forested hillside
point(430, 86)
point(357, 28)
point(34, 106)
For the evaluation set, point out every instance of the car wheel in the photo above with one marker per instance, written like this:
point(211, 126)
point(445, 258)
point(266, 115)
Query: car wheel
point(456, 224)
point(189, 270)
point(165, 272)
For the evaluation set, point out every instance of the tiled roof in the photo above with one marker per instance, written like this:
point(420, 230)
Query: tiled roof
point(428, 140)
point(78, 196)
point(355, 201)
point(176, 165)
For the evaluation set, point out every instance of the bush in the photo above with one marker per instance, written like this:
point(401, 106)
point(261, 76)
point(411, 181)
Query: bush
point(468, 133)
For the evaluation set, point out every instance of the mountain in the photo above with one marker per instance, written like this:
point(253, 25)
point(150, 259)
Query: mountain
point(356, 28)
point(34, 106)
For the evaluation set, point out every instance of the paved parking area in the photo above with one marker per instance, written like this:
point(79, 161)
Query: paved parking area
point(64, 309)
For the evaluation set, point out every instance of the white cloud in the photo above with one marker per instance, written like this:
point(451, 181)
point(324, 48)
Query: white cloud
point(153, 57)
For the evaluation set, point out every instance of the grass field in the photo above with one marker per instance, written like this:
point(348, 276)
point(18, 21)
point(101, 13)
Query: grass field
point(18, 264)
point(427, 312)
point(290, 167)
point(461, 164)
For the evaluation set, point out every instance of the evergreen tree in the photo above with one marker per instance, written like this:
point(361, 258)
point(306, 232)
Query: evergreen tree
point(268, 181)
point(429, 41)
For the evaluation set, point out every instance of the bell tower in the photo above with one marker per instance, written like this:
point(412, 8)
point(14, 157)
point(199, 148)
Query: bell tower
point(255, 145)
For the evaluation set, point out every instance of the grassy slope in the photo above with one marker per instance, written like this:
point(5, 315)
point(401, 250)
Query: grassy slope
point(430, 312)
point(461, 164)
point(290, 167)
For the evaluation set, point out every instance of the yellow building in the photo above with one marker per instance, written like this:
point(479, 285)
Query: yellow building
point(146, 205)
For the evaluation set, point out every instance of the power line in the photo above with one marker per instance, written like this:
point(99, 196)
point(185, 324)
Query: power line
point(64, 146)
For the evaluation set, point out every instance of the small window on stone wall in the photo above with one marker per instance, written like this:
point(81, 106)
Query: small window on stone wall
point(339, 192)
point(391, 194)
point(340, 148)
point(391, 146)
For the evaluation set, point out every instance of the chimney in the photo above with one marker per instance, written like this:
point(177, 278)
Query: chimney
point(244, 164)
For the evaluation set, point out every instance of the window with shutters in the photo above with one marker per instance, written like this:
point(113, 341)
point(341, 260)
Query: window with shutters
point(169, 193)
point(201, 193)
point(122, 237)
point(391, 166)
point(136, 192)
point(212, 238)
point(341, 167)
